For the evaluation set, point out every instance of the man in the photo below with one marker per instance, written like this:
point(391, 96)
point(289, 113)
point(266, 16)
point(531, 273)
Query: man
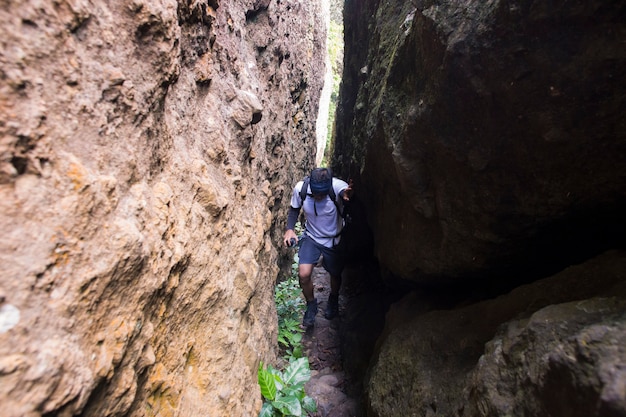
point(322, 234)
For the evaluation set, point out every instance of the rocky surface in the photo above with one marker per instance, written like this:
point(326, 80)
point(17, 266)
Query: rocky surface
point(330, 386)
point(147, 154)
point(487, 138)
point(551, 348)
point(339, 349)
point(487, 143)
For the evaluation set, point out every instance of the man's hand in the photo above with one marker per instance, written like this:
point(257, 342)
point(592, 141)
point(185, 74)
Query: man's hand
point(289, 234)
point(348, 191)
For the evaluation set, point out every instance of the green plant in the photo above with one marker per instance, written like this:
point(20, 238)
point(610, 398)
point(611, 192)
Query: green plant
point(290, 307)
point(288, 298)
point(284, 391)
point(290, 337)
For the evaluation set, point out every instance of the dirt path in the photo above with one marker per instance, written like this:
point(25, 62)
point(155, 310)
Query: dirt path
point(328, 384)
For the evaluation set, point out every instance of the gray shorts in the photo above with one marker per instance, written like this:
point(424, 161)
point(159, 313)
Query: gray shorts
point(310, 251)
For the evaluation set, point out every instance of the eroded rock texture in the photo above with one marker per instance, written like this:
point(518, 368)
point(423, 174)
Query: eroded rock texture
point(147, 150)
point(489, 137)
point(551, 348)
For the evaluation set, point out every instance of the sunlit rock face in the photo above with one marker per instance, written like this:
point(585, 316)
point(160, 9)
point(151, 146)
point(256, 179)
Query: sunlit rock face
point(147, 156)
point(488, 137)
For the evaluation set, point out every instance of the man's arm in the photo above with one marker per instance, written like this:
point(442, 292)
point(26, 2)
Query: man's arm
point(292, 218)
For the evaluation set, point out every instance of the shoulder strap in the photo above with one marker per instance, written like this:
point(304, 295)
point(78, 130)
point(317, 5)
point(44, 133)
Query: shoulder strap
point(305, 188)
point(333, 196)
point(331, 193)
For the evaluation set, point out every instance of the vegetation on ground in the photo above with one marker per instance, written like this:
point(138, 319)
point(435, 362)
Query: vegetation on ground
point(283, 391)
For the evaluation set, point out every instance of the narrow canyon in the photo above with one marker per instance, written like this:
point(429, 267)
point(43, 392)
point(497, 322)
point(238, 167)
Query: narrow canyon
point(148, 154)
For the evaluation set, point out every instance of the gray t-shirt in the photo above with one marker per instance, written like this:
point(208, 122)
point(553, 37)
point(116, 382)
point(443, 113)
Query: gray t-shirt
point(323, 222)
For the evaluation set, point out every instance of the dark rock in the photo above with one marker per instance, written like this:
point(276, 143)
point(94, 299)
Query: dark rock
point(555, 347)
point(486, 139)
point(565, 360)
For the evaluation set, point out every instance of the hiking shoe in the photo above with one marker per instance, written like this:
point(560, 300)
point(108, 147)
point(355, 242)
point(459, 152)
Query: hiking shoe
point(310, 313)
point(332, 308)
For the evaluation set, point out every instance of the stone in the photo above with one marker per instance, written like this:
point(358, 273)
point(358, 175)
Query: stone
point(137, 215)
point(553, 347)
point(483, 137)
point(247, 109)
point(9, 317)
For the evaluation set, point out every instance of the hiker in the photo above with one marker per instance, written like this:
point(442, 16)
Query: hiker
point(322, 197)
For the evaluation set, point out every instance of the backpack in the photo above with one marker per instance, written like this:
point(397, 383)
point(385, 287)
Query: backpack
point(331, 194)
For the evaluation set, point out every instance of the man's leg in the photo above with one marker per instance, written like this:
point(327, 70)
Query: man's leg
point(334, 265)
point(332, 307)
point(335, 285)
point(306, 283)
point(308, 254)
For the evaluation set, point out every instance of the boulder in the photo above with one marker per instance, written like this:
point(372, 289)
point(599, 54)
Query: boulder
point(554, 347)
point(486, 138)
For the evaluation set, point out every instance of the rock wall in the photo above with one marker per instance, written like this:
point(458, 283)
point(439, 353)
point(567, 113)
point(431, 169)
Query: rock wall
point(487, 143)
point(147, 157)
point(486, 138)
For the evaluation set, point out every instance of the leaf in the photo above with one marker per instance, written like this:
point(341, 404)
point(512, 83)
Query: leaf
point(296, 391)
point(297, 372)
point(267, 383)
point(296, 338)
point(309, 404)
point(298, 352)
point(288, 405)
point(267, 410)
point(278, 380)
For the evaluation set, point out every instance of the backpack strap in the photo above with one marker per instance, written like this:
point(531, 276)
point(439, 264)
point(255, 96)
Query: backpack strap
point(331, 193)
point(305, 188)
